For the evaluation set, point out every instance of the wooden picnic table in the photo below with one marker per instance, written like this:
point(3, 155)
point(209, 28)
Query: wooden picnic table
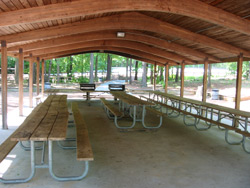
point(47, 123)
point(228, 118)
point(134, 102)
point(205, 104)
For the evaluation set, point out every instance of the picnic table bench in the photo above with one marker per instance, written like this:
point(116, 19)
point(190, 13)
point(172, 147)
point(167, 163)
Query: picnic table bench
point(48, 122)
point(110, 108)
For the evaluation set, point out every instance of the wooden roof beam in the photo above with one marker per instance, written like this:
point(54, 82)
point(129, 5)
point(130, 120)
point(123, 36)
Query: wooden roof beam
point(60, 55)
point(191, 8)
point(117, 49)
point(114, 43)
point(101, 35)
point(127, 21)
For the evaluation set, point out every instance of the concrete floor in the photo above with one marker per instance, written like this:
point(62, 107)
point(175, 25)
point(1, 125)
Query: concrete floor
point(172, 156)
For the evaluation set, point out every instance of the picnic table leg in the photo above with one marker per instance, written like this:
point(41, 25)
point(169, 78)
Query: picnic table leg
point(32, 157)
point(66, 178)
point(196, 120)
point(127, 127)
point(244, 138)
point(173, 104)
point(219, 120)
point(227, 136)
point(143, 120)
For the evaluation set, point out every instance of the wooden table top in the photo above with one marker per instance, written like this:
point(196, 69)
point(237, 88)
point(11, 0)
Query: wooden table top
point(48, 121)
point(130, 99)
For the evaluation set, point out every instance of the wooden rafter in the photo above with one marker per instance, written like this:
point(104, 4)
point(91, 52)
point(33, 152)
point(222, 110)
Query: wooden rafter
point(130, 21)
point(191, 8)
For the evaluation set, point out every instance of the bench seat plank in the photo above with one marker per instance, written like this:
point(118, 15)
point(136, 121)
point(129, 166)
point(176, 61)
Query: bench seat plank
point(114, 110)
point(84, 150)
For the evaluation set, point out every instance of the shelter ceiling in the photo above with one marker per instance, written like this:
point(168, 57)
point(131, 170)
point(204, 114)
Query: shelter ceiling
point(195, 30)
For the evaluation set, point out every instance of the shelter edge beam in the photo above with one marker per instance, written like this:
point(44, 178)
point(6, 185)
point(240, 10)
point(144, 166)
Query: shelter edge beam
point(105, 50)
point(119, 49)
point(100, 35)
point(130, 21)
point(125, 44)
point(195, 9)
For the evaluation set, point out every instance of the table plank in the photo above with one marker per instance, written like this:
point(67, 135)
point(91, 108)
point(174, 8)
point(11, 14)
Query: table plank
point(59, 130)
point(129, 99)
point(25, 130)
point(43, 130)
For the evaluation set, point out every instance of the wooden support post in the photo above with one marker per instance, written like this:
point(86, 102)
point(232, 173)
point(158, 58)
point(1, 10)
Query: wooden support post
point(182, 79)
point(238, 82)
point(204, 90)
point(37, 75)
point(21, 82)
point(155, 77)
point(31, 83)
point(42, 77)
point(166, 77)
point(4, 65)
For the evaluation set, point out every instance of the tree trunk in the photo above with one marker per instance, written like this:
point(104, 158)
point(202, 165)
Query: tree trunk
point(91, 76)
point(126, 80)
point(16, 71)
point(130, 72)
point(82, 67)
point(58, 70)
point(249, 70)
point(136, 70)
point(152, 74)
point(50, 64)
point(177, 74)
point(109, 66)
point(144, 75)
point(71, 66)
point(161, 73)
point(209, 74)
point(96, 68)
point(34, 73)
